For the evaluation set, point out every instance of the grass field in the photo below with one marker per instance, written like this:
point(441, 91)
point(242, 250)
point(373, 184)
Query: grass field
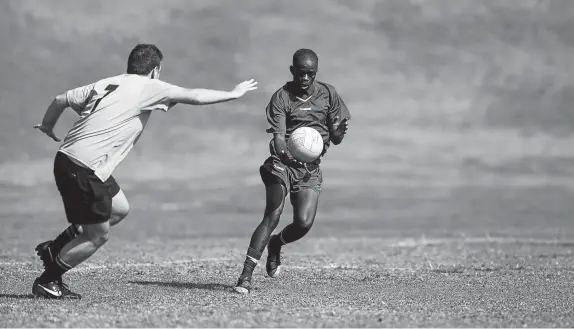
point(449, 204)
point(504, 261)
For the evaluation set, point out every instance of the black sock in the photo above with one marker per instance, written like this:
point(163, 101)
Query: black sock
point(69, 234)
point(55, 271)
point(291, 233)
point(250, 263)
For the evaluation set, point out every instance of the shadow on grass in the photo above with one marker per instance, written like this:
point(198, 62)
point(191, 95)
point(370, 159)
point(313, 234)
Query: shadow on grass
point(14, 296)
point(186, 285)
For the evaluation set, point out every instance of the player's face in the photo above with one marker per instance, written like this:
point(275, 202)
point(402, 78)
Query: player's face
point(304, 74)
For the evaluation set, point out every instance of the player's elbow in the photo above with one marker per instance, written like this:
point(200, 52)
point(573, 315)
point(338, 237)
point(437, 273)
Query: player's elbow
point(185, 96)
point(279, 136)
point(61, 100)
point(279, 139)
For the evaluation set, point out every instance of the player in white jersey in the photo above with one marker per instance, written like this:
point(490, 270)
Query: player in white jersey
point(113, 113)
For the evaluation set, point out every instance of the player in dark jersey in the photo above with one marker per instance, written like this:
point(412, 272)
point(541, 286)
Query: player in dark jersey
point(302, 102)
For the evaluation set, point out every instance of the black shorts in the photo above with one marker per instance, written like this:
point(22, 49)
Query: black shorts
point(295, 179)
point(87, 199)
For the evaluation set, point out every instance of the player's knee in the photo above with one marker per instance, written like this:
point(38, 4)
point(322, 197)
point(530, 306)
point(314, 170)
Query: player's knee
point(123, 211)
point(101, 238)
point(273, 212)
point(98, 234)
point(119, 213)
point(120, 208)
point(272, 217)
point(305, 221)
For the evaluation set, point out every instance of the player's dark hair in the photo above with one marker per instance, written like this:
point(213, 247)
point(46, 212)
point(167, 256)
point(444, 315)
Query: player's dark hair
point(143, 59)
point(305, 54)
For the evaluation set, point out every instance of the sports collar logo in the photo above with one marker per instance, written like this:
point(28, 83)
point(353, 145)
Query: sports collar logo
point(305, 109)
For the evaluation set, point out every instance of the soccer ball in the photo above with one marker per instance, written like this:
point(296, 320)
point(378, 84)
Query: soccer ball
point(305, 144)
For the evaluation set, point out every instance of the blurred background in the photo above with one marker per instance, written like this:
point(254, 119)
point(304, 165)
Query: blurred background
point(462, 110)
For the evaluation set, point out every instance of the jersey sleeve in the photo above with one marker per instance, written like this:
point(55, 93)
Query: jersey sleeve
point(79, 97)
point(276, 115)
point(157, 96)
point(337, 108)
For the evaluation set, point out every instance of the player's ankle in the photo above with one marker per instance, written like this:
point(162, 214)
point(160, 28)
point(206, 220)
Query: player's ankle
point(48, 276)
point(251, 261)
point(277, 241)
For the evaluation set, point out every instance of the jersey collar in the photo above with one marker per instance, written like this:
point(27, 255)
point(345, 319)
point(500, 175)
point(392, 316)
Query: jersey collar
point(299, 95)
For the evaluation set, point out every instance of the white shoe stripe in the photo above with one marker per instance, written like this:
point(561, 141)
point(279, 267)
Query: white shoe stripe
point(54, 293)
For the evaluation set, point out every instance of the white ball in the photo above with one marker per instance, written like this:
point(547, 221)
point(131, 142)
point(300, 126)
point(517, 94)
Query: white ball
point(305, 144)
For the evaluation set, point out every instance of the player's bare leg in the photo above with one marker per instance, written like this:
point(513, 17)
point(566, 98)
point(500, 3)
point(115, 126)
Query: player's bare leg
point(48, 250)
point(120, 208)
point(75, 252)
point(275, 201)
point(84, 246)
point(305, 204)
point(75, 243)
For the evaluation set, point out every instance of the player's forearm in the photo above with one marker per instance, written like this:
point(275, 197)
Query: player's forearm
point(202, 96)
point(281, 148)
point(54, 111)
point(280, 143)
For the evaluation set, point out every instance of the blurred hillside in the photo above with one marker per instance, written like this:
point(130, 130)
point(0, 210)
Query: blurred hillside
point(443, 92)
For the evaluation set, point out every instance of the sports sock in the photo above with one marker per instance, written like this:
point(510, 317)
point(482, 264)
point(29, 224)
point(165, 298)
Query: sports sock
point(55, 271)
point(69, 234)
point(250, 263)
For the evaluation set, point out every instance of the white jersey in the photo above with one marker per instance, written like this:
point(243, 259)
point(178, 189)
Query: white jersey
point(113, 113)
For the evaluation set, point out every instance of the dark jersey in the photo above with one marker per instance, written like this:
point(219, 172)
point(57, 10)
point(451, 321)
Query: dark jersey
point(287, 112)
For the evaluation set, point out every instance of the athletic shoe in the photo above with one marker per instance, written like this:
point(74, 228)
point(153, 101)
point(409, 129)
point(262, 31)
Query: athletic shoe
point(53, 290)
point(43, 250)
point(46, 290)
point(243, 285)
point(67, 293)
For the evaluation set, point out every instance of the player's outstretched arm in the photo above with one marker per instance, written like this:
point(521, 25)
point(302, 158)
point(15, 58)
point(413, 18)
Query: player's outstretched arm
point(209, 96)
point(52, 115)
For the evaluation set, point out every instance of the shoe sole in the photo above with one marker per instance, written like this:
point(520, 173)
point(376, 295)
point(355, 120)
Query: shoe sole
point(241, 290)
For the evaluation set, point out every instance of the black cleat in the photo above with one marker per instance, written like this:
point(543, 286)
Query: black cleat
point(243, 286)
point(46, 290)
point(43, 250)
point(53, 290)
point(273, 265)
point(67, 293)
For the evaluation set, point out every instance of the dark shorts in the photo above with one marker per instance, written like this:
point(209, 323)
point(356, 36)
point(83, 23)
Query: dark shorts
point(87, 199)
point(295, 179)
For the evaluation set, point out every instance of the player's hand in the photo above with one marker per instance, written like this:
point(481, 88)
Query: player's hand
point(244, 87)
point(289, 160)
point(48, 131)
point(340, 127)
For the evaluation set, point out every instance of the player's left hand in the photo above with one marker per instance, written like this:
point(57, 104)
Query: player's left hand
point(244, 87)
point(340, 127)
point(48, 131)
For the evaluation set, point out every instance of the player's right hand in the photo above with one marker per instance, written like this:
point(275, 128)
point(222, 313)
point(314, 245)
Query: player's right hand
point(244, 87)
point(289, 160)
point(48, 131)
